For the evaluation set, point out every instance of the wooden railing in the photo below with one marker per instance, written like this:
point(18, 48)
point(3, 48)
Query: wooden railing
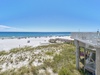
point(90, 37)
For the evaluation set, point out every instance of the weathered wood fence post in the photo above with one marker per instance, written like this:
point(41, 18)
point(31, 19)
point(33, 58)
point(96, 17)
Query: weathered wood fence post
point(77, 54)
point(97, 61)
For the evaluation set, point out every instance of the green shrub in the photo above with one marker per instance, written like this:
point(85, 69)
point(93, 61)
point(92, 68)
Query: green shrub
point(49, 53)
point(3, 53)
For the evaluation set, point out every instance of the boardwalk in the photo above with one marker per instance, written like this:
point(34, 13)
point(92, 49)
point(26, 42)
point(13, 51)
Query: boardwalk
point(89, 41)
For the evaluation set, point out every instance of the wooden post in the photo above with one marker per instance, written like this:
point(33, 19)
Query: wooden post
point(97, 61)
point(84, 58)
point(77, 54)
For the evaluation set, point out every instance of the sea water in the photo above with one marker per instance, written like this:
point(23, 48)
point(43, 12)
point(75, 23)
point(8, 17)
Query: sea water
point(33, 34)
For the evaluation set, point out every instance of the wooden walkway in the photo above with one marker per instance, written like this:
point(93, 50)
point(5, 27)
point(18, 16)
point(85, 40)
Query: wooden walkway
point(89, 41)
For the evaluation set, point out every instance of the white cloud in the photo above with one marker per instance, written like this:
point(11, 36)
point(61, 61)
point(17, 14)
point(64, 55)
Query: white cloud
point(8, 28)
point(4, 27)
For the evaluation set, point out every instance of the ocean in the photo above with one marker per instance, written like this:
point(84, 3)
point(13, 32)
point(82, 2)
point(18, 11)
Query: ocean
point(33, 34)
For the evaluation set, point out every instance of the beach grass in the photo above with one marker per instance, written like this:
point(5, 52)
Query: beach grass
point(60, 58)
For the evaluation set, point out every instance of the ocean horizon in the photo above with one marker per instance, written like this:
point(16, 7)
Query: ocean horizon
point(33, 34)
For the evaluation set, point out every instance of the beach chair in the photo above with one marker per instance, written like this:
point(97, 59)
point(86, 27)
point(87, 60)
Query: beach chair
point(90, 63)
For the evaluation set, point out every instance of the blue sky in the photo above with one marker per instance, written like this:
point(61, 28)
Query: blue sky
point(49, 15)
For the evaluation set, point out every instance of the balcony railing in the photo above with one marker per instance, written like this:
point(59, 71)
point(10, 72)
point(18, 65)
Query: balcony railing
point(90, 37)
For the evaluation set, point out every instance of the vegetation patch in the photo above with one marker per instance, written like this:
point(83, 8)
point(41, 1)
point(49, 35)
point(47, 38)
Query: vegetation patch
point(59, 58)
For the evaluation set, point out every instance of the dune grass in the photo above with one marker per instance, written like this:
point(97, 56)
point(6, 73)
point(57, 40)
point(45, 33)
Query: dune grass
point(63, 63)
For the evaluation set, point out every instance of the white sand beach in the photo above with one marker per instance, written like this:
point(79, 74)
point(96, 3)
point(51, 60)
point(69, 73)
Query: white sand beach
point(7, 44)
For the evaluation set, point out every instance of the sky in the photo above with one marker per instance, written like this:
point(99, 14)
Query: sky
point(50, 15)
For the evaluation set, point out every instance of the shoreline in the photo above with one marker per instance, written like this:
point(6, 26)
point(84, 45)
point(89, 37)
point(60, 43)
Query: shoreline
point(21, 37)
point(9, 43)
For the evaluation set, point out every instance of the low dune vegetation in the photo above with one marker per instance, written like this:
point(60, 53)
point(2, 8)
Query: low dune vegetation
point(53, 59)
